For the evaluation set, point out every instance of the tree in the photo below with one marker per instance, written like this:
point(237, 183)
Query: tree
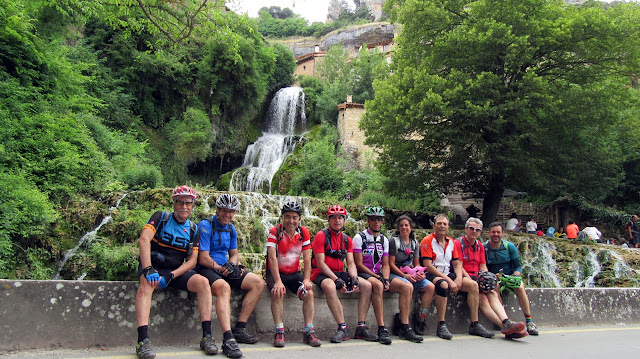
point(344, 76)
point(490, 94)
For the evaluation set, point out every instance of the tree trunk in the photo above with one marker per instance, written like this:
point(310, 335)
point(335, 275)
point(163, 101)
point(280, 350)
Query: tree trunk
point(491, 203)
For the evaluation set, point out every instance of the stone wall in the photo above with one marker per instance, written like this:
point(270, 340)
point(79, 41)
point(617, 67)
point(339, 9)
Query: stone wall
point(349, 115)
point(81, 314)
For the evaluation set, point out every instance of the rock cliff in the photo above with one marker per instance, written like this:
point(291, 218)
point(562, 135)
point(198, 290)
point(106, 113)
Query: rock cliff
point(350, 37)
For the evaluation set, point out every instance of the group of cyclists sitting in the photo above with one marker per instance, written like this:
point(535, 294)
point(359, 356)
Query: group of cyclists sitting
point(203, 259)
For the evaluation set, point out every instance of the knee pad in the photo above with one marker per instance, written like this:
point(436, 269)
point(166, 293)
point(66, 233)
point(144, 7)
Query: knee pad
point(443, 292)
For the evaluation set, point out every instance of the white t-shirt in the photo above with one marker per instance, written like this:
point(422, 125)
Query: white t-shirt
point(532, 226)
point(592, 232)
point(511, 224)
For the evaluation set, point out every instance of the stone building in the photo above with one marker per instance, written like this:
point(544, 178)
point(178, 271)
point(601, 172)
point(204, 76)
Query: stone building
point(307, 64)
point(351, 136)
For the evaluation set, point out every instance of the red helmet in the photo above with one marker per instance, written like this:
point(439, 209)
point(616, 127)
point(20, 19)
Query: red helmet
point(336, 209)
point(183, 191)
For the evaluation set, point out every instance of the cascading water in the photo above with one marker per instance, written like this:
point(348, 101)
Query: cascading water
point(264, 157)
point(592, 268)
point(86, 239)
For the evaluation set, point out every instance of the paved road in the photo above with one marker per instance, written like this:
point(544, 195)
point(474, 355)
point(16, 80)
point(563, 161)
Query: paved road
point(566, 343)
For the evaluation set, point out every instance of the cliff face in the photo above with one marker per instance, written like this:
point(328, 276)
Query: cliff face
point(351, 38)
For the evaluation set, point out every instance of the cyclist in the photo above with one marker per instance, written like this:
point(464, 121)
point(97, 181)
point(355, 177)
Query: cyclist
point(502, 259)
point(473, 263)
point(404, 263)
point(168, 254)
point(285, 243)
point(438, 255)
point(371, 254)
point(219, 239)
point(331, 247)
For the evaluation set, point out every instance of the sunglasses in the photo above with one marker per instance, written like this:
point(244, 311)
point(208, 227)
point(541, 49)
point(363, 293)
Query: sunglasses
point(184, 203)
point(474, 229)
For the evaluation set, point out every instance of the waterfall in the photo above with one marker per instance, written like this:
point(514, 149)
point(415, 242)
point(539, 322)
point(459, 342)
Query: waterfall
point(592, 268)
point(264, 157)
point(86, 239)
point(541, 265)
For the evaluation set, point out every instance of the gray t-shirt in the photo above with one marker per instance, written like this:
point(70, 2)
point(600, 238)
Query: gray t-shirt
point(399, 249)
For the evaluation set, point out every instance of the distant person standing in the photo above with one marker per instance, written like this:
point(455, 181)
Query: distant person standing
point(513, 224)
point(532, 226)
point(472, 210)
point(572, 230)
point(633, 231)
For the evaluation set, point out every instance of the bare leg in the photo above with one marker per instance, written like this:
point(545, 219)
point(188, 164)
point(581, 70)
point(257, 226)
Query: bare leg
point(254, 285)
point(143, 301)
point(308, 307)
point(222, 291)
point(333, 302)
point(365, 299)
point(471, 288)
point(405, 289)
point(377, 288)
point(200, 285)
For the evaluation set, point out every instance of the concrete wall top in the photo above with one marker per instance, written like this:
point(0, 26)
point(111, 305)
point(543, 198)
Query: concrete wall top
point(81, 314)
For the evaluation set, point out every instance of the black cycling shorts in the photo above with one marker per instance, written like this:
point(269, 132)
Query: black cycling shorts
point(291, 281)
point(213, 275)
point(321, 277)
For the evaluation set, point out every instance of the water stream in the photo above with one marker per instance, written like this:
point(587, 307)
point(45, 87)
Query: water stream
point(264, 157)
point(84, 240)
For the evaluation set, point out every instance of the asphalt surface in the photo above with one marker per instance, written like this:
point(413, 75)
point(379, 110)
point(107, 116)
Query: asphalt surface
point(622, 341)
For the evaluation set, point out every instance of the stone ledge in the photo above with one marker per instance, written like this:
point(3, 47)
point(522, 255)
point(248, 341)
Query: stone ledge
point(81, 314)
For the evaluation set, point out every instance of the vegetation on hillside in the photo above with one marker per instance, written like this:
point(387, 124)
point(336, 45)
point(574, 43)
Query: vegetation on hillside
point(277, 22)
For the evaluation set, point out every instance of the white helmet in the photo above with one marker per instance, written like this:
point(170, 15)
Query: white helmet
point(228, 201)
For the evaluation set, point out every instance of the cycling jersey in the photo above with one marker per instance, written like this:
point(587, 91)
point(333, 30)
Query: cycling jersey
point(318, 246)
point(288, 249)
point(173, 240)
point(218, 240)
point(440, 257)
point(504, 257)
point(374, 248)
point(471, 255)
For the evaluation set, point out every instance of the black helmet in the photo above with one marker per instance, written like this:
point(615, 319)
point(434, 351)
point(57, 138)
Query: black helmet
point(487, 281)
point(292, 206)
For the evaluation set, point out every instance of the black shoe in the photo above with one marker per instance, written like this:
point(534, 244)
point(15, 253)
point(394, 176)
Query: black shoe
point(443, 332)
point(340, 335)
point(362, 332)
point(410, 335)
point(231, 349)
point(383, 336)
point(312, 339)
point(395, 328)
point(419, 325)
point(144, 350)
point(243, 336)
point(480, 331)
point(208, 345)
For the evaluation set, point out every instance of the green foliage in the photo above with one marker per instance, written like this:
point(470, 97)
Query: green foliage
point(274, 22)
point(342, 76)
point(318, 174)
point(113, 262)
point(142, 177)
point(487, 95)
